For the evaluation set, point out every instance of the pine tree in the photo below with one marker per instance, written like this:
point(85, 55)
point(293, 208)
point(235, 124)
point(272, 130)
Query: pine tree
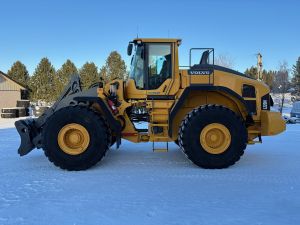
point(42, 83)
point(114, 68)
point(296, 75)
point(126, 76)
point(103, 74)
point(19, 73)
point(252, 72)
point(267, 76)
point(88, 74)
point(64, 74)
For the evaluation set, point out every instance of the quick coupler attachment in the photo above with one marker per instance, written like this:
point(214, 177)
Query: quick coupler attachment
point(27, 132)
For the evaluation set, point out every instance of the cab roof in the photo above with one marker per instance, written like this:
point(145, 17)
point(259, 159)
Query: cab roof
point(158, 40)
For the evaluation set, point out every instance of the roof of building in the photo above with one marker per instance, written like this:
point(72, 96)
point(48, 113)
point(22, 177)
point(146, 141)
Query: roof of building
point(6, 76)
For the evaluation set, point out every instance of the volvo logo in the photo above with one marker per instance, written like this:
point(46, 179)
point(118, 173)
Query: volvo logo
point(199, 72)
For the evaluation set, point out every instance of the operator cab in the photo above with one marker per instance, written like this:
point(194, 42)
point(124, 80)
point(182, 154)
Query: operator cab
point(151, 63)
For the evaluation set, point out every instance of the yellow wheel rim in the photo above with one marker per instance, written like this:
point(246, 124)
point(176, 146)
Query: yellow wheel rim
point(73, 139)
point(215, 138)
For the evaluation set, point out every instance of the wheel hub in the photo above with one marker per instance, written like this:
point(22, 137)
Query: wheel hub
point(215, 138)
point(73, 139)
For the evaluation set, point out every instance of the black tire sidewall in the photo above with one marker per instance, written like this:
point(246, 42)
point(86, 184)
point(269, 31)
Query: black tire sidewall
point(23, 103)
point(198, 122)
point(9, 110)
point(98, 138)
point(8, 115)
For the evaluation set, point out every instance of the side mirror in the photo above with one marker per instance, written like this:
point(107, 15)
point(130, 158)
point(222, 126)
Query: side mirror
point(129, 49)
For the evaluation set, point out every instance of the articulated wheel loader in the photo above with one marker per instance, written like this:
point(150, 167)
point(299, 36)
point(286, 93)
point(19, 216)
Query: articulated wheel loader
point(210, 111)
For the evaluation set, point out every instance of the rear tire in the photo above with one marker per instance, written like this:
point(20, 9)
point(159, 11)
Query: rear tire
point(197, 122)
point(9, 110)
point(8, 115)
point(98, 135)
point(21, 111)
point(23, 103)
point(177, 142)
point(112, 141)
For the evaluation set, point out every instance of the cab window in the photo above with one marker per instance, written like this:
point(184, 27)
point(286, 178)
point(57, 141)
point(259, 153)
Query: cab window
point(159, 64)
point(137, 67)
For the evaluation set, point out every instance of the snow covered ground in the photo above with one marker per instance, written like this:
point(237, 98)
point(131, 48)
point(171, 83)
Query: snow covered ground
point(135, 186)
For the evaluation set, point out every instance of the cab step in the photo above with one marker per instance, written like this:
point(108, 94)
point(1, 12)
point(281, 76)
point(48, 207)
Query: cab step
point(160, 149)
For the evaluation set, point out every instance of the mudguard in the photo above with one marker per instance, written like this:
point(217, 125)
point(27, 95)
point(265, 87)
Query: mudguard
point(114, 124)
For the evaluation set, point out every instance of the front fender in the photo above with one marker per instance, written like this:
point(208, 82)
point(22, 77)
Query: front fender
point(114, 124)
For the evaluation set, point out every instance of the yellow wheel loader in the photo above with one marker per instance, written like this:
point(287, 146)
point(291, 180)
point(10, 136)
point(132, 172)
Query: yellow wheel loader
point(210, 111)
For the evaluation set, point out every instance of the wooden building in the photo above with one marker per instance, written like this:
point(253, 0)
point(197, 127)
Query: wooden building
point(10, 91)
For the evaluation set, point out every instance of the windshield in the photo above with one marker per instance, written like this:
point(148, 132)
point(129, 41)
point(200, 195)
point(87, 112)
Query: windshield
point(137, 67)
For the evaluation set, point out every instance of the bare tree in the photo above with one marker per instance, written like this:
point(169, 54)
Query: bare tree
point(224, 60)
point(281, 82)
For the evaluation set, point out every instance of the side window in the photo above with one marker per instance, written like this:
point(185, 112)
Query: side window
point(137, 67)
point(159, 64)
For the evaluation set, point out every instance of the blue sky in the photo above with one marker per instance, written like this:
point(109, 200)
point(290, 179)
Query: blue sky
point(88, 30)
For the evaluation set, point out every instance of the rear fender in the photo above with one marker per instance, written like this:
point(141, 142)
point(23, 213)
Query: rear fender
point(230, 93)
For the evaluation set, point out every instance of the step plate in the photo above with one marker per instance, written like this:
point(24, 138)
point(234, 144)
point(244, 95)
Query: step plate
point(160, 150)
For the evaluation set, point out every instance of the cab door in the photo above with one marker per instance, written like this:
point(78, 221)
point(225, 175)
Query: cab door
point(159, 66)
point(157, 69)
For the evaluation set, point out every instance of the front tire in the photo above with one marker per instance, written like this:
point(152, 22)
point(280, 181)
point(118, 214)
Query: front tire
point(213, 137)
point(75, 138)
